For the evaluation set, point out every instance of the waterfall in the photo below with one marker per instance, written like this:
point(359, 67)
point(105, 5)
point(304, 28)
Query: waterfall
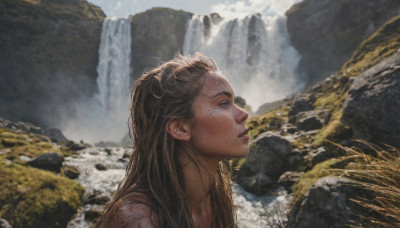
point(253, 52)
point(113, 68)
point(104, 116)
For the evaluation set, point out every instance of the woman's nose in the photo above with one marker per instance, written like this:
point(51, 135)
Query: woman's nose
point(242, 115)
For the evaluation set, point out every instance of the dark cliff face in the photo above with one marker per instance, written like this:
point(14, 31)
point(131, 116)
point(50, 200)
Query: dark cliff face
point(157, 35)
point(327, 32)
point(48, 57)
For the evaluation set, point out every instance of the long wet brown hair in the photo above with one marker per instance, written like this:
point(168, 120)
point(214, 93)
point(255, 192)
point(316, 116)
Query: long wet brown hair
point(162, 94)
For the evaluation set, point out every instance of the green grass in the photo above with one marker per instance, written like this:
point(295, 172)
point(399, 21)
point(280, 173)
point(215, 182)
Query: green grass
point(383, 43)
point(270, 121)
point(24, 144)
point(30, 197)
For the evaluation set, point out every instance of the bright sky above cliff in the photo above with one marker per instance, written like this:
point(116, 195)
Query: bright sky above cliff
point(226, 8)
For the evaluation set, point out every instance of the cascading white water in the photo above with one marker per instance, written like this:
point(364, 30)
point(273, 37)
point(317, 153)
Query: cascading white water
point(254, 53)
point(105, 116)
point(113, 68)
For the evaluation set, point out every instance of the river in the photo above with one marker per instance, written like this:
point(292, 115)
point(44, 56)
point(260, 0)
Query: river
point(268, 210)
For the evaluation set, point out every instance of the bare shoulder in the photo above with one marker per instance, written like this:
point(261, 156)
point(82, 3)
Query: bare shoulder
point(134, 211)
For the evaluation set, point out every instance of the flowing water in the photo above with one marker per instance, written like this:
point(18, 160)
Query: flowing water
point(252, 211)
point(104, 116)
point(253, 52)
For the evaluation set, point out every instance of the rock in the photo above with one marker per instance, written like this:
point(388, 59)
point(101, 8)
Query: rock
point(327, 204)
point(288, 179)
point(97, 199)
point(50, 161)
point(326, 32)
point(268, 157)
point(309, 123)
point(93, 214)
point(288, 128)
point(372, 108)
point(127, 154)
point(75, 146)
point(318, 155)
point(101, 167)
point(55, 135)
point(4, 223)
point(70, 172)
point(297, 157)
point(269, 106)
point(257, 184)
point(45, 87)
point(301, 104)
point(157, 35)
point(322, 115)
point(11, 142)
point(108, 151)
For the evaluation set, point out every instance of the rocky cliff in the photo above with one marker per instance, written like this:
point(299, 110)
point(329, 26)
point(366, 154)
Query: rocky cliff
point(327, 32)
point(48, 57)
point(324, 125)
point(157, 35)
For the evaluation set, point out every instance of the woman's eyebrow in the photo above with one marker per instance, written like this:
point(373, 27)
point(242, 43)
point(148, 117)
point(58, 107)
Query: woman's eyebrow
point(228, 94)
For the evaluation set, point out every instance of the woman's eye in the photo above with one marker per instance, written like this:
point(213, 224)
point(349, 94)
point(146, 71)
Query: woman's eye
point(224, 103)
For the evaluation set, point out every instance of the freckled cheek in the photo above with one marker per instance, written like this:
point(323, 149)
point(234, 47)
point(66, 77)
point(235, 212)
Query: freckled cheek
point(214, 126)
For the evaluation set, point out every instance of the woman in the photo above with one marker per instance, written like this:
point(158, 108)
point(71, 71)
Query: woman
point(185, 123)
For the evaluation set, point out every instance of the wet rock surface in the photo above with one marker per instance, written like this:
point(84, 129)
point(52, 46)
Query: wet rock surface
point(267, 160)
point(49, 161)
point(288, 179)
point(372, 108)
point(328, 204)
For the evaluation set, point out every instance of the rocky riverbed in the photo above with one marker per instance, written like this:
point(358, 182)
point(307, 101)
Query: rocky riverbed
point(101, 170)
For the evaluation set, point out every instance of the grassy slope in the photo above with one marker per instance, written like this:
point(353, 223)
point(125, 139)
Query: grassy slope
point(31, 197)
point(383, 43)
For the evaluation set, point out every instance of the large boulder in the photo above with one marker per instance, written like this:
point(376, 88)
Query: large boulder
point(372, 108)
point(55, 135)
point(267, 160)
point(327, 204)
point(301, 104)
point(327, 32)
point(309, 123)
point(50, 161)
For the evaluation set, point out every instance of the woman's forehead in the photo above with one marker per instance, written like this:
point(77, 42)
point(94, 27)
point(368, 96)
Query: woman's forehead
point(215, 83)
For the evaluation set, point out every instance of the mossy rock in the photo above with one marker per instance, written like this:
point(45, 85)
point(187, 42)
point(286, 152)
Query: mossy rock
point(27, 145)
point(30, 197)
point(320, 170)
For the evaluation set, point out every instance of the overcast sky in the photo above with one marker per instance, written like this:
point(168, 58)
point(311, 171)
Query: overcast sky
point(226, 8)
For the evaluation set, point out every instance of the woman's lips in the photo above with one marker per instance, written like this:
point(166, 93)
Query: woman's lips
point(244, 133)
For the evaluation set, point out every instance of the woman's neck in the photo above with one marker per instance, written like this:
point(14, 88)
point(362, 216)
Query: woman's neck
point(199, 174)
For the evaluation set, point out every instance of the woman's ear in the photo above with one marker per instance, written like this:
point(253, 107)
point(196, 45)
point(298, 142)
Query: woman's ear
point(179, 129)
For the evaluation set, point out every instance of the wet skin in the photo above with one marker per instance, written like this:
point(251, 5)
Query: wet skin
point(218, 131)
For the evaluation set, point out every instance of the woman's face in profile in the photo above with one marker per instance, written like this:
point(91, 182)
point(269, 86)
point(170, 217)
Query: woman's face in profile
point(218, 129)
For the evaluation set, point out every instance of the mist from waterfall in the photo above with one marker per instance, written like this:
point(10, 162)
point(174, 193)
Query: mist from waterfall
point(105, 116)
point(253, 52)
